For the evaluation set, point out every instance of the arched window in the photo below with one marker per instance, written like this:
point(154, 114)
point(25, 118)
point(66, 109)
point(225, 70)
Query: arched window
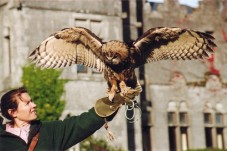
point(172, 110)
point(172, 124)
point(178, 125)
point(183, 114)
point(208, 114)
point(219, 124)
point(214, 125)
point(183, 125)
point(208, 123)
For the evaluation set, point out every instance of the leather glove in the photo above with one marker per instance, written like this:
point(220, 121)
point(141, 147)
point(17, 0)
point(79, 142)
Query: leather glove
point(104, 107)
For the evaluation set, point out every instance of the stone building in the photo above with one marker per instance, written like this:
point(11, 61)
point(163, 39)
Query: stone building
point(24, 24)
point(188, 97)
point(185, 102)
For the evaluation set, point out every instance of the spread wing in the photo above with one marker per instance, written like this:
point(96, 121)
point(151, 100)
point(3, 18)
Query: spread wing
point(67, 47)
point(172, 43)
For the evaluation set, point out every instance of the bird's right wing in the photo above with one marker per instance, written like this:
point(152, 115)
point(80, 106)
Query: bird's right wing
point(67, 47)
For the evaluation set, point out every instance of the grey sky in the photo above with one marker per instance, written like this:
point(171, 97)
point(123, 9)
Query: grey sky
point(192, 3)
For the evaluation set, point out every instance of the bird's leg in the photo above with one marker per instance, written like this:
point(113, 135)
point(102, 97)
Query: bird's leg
point(113, 90)
point(124, 88)
point(130, 92)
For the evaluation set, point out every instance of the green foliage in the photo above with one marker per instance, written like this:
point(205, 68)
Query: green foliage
point(206, 149)
point(46, 89)
point(92, 144)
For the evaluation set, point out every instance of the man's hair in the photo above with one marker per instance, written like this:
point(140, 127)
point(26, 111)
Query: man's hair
point(8, 101)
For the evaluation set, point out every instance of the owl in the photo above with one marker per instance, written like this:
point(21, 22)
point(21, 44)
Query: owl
point(117, 59)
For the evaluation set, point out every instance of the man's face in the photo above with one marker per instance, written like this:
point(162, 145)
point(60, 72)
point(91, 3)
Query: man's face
point(26, 110)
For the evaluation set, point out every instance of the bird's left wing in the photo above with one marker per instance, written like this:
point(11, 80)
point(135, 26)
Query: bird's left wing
point(171, 43)
point(69, 46)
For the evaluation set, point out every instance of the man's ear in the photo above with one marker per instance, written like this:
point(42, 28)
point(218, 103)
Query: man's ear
point(12, 113)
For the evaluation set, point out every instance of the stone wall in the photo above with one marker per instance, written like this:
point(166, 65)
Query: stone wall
point(24, 24)
point(198, 100)
point(27, 23)
point(201, 19)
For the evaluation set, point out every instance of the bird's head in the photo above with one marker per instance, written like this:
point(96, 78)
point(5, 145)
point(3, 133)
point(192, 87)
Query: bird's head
point(115, 52)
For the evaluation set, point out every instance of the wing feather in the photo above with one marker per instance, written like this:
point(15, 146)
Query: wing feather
point(67, 47)
point(172, 43)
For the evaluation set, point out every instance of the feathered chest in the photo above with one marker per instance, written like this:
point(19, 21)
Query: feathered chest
point(114, 80)
point(123, 75)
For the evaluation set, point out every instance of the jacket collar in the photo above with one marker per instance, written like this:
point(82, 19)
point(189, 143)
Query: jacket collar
point(34, 128)
point(2, 129)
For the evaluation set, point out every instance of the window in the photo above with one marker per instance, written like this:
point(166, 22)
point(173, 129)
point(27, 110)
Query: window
point(207, 118)
point(183, 118)
point(81, 69)
point(154, 6)
point(219, 119)
point(95, 71)
point(95, 25)
point(183, 121)
point(208, 129)
point(220, 138)
point(171, 118)
point(172, 128)
point(178, 125)
point(214, 127)
point(184, 138)
point(82, 22)
point(208, 136)
point(172, 139)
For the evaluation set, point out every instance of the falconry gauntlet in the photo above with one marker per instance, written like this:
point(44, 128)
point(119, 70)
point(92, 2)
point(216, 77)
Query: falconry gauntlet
point(104, 107)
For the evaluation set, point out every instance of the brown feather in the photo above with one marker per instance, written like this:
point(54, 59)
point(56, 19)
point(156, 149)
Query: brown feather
point(155, 43)
point(117, 59)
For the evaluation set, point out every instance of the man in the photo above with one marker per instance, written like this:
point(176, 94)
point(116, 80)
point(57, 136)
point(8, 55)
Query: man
point(22, 131)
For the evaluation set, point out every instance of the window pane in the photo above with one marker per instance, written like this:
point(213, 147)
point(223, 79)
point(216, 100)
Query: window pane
point(183, 118)
point(218, 118)
point(81, 69)
point(171, 118)
point(97, 28)
point(208, 137)
point(95, 71)
point(172, 139)
point(207, 118)
point(79, 22)
point(220, 138)
point(184, 138)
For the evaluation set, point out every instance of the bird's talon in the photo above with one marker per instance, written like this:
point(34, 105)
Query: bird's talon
point(111, 96)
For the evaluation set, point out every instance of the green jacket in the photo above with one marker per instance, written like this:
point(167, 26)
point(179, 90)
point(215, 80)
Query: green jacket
point(54, 135)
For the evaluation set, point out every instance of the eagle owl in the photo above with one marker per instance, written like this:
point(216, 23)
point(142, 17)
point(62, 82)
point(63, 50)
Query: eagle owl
point(118, 59)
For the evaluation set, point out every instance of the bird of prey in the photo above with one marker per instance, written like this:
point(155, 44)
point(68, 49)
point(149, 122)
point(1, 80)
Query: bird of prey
point(117, 59)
